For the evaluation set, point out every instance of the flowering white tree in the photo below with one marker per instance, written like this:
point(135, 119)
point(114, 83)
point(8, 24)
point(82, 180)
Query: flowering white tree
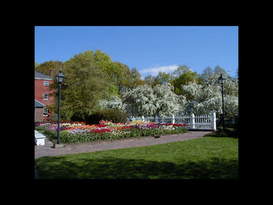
point(201, 100)
point(139, 101)
point(160, 100)
point(114, 102)
point(166, 101)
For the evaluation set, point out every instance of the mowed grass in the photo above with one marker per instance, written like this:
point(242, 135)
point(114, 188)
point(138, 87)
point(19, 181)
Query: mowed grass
point(202, 158)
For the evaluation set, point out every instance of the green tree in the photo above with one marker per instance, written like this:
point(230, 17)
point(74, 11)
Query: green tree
point(181, 70)
point(104, 62)
point(50, 65)
point(184, 79)
point(121, 77)
point(163, 78)
point(136, 79)
point(84, 85)
point(209, 76)
point(149, 80)
point(207, 72)
point(218, 70)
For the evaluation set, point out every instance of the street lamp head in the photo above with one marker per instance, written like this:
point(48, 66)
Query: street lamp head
point(222, 79)
point(60, 76)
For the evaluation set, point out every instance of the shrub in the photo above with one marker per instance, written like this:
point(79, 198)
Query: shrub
point(114, 115)
point(51, 135)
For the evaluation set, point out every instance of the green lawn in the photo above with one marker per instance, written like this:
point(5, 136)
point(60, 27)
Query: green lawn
point(202, 158)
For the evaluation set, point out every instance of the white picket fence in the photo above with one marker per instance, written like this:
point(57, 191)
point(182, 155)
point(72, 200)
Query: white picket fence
point(195, 122)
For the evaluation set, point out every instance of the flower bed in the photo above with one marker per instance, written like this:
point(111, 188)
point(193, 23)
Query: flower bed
point(72, 132)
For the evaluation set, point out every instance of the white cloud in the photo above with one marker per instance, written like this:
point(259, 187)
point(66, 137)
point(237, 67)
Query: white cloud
point(155, 70)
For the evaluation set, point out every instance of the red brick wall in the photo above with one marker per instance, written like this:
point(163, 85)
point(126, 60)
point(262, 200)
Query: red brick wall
point(38, 114)
point(40, 89)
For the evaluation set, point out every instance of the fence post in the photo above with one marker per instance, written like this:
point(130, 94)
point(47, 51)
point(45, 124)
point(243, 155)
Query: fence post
point(173, 119)
point(192, 121)
point(142, 118)
point(213, 120)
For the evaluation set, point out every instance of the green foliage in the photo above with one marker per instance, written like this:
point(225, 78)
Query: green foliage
point(69, 138)
point(114, 115)
point(84, 85)
point(185, 78)
point(163, 78)
point(52, 135)
point(135, 79)
point(149, 80)
point(89, 77)
point(123, 78)
point(49, 65)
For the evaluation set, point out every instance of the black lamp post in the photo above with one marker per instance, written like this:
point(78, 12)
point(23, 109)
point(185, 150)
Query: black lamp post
point(222, 81)
point(60, 78)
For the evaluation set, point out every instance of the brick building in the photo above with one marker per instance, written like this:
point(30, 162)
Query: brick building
point(42, 96)
point(39, 111)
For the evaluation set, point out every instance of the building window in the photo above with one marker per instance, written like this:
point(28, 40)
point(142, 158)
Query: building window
point(45, 111)
point(45, 96)
point(46, 83)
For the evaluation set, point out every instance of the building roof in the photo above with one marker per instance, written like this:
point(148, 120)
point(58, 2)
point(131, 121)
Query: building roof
point(39, 75)
point(39, 104)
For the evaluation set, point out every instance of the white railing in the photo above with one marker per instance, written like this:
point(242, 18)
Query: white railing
point(194, 122)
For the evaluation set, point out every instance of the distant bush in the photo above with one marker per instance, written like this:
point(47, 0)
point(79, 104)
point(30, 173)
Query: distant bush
point(114, 115)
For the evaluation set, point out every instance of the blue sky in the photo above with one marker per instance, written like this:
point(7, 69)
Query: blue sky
point(150, 49)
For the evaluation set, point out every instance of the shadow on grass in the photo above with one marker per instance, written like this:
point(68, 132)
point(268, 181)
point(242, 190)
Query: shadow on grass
point(223, 133)
point(118, 168)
